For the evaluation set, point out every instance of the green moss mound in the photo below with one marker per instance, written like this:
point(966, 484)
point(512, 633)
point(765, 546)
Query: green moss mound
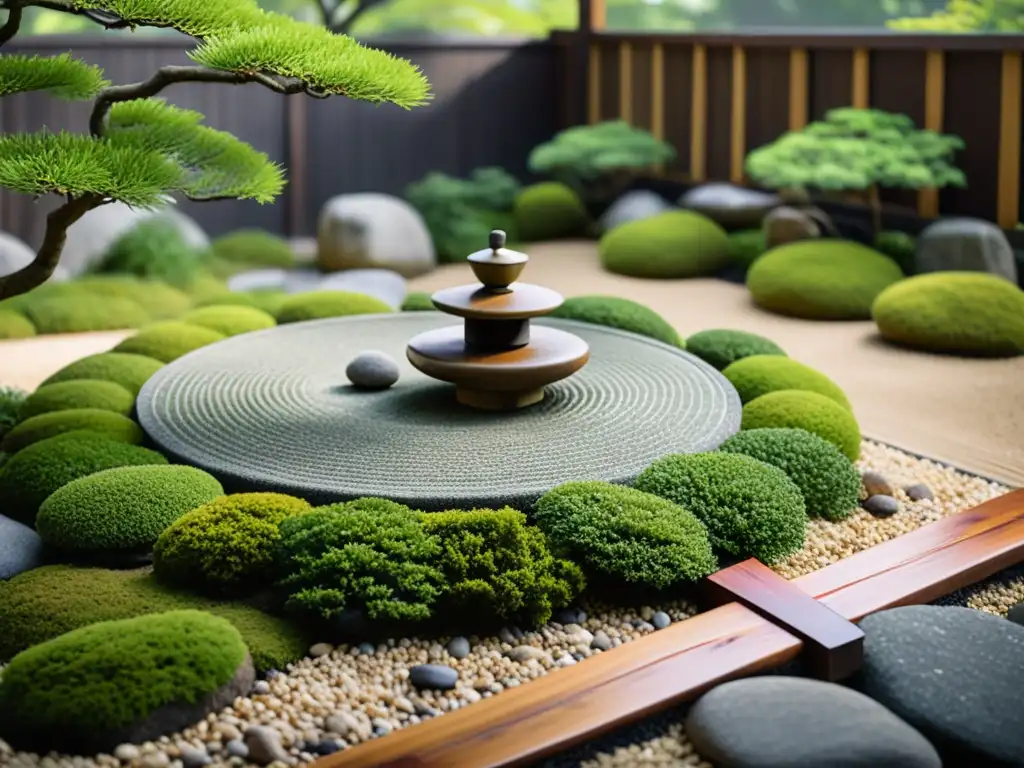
point(12, 400)
point(746, 246)
point(160, 300)
point(821, 279)
point(168, 341)
point(226, 546)
point(228, 320)
point(721, 347)
point(88, 687)
point(316, 305)
point(34, 473)
point(625, 535)
point(85, 314)
point(80, 393)
point(619, 313)
point(674, 244)
point(829, 483)
point(253, 247)
point(130, 371)
point(750, 509)
point(14, 325)
point(549, 211)
point(111, 425)
point(497, 567)
point(969, 313)
point(47, 602)
point(122, 510)
point(267, 300)
point(811, 411)
point(760, 374)
point(418, 302)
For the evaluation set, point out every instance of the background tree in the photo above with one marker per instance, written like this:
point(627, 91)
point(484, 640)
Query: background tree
point(140, 150)
point(969, 16)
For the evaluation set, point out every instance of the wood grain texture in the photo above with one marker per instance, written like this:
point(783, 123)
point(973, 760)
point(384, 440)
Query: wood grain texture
point(860, 95)
point(738, 115)
point(1008, 199)
point(594, 84)
point(699, 114)
point(799, 99)
point(626, 82)
point(833, 646)
point(934, 108)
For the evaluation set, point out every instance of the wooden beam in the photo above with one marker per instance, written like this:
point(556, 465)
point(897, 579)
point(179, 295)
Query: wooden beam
point(1008, 199)
point(626, 81)
point(799, 80)
point(598, 16)
point(594, 84)
point(699, 114)
point(934, 109)
point(738, 115)
point(658, 94)
point(860, 96)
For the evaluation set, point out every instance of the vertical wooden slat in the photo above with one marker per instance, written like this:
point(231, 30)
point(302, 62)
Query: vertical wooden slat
point(298, 181)
point(699, 114)
point(798, 81)
point(658, 95)
point(861, 86)
point(738, 115)
point(594, 84)
point(598, 15)
point(1008, 199)
point(934, 106)
point(626, 82)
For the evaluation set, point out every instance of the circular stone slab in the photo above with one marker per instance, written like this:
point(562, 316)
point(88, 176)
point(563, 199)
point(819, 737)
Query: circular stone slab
point(272, 410)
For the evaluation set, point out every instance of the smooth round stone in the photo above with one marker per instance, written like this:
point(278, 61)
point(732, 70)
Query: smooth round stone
point(433, 676)
point(458, 647)
point(919, 492)
point(236, 748)
point(21, 549)
point(372, 370)
point(1016, 614)
point(955, 674)
point(880, 505)
point(660, 620)
point(794, 722)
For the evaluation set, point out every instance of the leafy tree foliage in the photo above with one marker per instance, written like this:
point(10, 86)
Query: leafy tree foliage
point(968, 16)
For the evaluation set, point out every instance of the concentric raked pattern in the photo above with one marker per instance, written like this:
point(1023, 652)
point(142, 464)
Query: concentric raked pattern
point(272, 410)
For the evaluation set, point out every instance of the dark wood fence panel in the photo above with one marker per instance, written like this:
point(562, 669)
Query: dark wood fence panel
point(678, 80)
point(719, 115)
point(767, 95)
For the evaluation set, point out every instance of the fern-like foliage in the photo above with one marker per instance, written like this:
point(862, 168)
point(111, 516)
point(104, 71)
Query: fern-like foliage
point(197, 18)
point(62, 76)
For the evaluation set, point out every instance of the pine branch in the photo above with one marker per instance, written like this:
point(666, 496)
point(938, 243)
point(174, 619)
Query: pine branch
point(11, 26)
point(105, 20)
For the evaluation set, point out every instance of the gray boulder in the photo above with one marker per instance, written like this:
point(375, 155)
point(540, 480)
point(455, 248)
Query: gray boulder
point(731, 206)
point(14, 254)
point(965, 245)
point(633, 206)
point(21, 549)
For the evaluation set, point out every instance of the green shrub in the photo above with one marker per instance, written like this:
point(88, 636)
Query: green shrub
point(760, 374)
point(751, 509)
point(898, 246)
point(821, 279)
point(370, 554)
point(32, 474)
point(226, 546)
point(969, 313)
point(47, 602)
point(268, 300)
point(624, 314)
point(549, 211)
point(316, 305)
point(497, 567)
point(111, 425)
point(228, 320)
point(829, 483)
point(122, 510)
point(62, 691)
point(721, 347)
point(12, 400)
point(14, 325)
point(806, 410)
point(746, 246)
point(154, 249)
point(130, 371)
point(674, 244)
point(80, 393)
point(624, 534)
point(418, 302)
point(83, 314)
point(167, 341)
point(253, 247)
point(160, 300)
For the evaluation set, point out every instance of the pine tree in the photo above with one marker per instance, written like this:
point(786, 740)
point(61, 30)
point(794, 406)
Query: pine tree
point(142, 151)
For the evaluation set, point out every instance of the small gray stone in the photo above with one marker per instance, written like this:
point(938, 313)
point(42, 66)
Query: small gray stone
point(438, 677)
point(567, 616)
point(382, 727)
point(880, 505)
point(633, 205)
point(367, 649)
point(372, 370)
point(506, 636)
point(345, 723)
point(660, 620)
point(919, 492)
point(261, 688)
point(729, 204)
point(154, 760)
point(21, 549)
point(192, 757)
point(423, 709)
point(264, 745)
point(236, 748)
point(565, 660)
point(956, 244)
point(644, 626)
point(876, 484)
point(601, 641)
point(1016, 614)
point(320, 649)
point(127, 752)
point(458, 648)
point(523, 653)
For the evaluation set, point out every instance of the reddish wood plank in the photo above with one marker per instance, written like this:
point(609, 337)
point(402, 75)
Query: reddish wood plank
point(833, 646)
point(571, 705)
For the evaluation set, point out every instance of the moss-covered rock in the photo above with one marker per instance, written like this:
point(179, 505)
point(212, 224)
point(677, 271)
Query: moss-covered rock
point(968, 313)
point(122, 511)
point(316, 305)
point(418, 302)
point(624, 314)
point(253, 247)
point(269, 299)
point(14, 325)
point(121, 681)
point(46, 602)
point(760, 374)
point(675, 244)
point(79, 393)
point(106, 423)
point(160, 300)
point(549, 211)
point(31, 475)
point(721, 347)
point(130, 371)
point(830, 484)
point(168, 341)
point(226, 546)
point(799, 409)
point(746, 246)
point(625, 535)
point(751, 509)
point(821, 279)
point(230, 320)
point(84, 314)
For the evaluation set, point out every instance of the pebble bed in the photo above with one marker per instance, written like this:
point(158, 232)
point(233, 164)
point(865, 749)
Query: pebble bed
point(340, 696)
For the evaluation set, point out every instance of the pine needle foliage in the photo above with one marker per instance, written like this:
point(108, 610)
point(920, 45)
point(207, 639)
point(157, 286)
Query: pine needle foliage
point(62, 76)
